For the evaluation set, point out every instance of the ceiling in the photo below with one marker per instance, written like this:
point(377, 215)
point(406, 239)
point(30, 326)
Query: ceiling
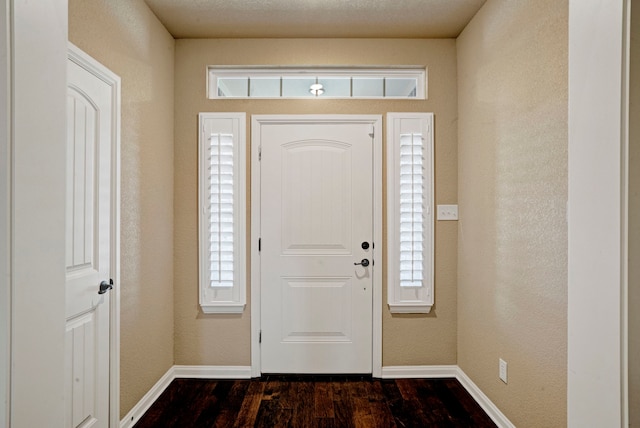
point(315, 18)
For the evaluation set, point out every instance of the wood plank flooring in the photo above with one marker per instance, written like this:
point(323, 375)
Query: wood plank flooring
point(315, 401)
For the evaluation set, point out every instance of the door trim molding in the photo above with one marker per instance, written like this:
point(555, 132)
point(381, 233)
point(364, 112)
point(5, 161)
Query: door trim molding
point(85, 61)
point(256, 123)
point(5, 212)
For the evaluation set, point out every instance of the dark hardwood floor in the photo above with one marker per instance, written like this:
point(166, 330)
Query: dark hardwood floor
point(325, 401)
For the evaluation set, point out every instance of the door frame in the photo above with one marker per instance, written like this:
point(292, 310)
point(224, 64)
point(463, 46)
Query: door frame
point(256, 122)
point(88, 63)
point(5, 213)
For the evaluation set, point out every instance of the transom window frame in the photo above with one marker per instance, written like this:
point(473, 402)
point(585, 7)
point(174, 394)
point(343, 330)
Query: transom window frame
point(409, 297)
point(316, 73)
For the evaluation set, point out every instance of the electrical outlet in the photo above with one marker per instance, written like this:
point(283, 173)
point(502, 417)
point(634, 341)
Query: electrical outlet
point(502, 372)
point(447, 212)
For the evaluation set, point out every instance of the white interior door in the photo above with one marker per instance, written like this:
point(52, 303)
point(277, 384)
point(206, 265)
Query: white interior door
point(316, 223)
point(88, 248)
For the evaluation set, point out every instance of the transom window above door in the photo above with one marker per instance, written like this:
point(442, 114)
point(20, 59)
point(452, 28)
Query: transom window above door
point(226, 82)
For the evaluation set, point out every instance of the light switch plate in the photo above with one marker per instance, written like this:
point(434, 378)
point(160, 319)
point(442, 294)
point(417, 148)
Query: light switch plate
point(502, 372)
point(447, 212)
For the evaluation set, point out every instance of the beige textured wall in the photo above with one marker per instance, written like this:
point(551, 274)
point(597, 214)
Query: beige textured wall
point(125, 36)
point(225, 340)
point(634, 219)
point(512, 243)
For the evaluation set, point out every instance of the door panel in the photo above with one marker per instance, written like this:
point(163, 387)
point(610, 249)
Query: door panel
point(316, 198)
point(82, 117)
point(317, 209)
point(88, 248)
point(316, 310)
point(81, 368)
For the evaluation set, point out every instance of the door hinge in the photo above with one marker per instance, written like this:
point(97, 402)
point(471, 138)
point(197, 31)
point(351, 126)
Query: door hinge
point(259, 153)
point(259, 244)
point(260, 337)
point(372, 134)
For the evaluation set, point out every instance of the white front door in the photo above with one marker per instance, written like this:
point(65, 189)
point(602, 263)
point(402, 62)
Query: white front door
point(88, 248)
point(316, 223)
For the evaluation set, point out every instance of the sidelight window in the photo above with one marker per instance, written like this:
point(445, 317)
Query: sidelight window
point(222, 212)
point(410, 212)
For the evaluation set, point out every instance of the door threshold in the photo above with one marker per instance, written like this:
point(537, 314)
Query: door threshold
point(313, 377)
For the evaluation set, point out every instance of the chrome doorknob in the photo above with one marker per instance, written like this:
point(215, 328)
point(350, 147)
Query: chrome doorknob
point(105, 286)
point(364, 262)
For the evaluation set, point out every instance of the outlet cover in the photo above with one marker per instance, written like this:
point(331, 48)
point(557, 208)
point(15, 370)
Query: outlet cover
point(447, 212)
point(502, 373)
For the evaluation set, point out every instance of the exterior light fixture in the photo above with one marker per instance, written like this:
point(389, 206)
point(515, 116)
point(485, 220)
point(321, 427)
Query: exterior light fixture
point(316, 89)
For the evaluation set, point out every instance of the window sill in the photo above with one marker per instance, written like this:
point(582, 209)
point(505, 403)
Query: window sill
point(231, 308)
point(409, 309)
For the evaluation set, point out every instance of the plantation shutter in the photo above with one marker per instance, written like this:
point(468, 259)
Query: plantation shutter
point(222, 222)
point(410, 212)
point(221, 242)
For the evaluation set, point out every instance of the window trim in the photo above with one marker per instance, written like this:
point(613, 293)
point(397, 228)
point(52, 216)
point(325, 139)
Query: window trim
point(409, 299)
point(223, 299)
point(216, 71)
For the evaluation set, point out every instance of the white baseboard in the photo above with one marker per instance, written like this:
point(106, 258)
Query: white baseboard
point(212, 372)
point(487, 405)
point(175, 372)
point(417, 372)
point(149, 398)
